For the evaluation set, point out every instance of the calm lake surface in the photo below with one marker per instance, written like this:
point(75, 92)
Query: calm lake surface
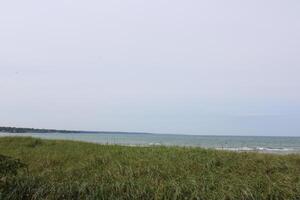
point(235, 143)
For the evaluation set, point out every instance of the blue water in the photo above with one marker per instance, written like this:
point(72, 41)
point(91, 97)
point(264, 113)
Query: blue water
point(240, 143)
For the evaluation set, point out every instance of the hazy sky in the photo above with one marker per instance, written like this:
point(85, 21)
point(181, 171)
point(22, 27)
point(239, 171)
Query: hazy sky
point(190, 67)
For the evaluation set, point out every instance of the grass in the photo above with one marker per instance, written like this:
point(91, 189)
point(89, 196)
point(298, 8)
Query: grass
point(50, 169)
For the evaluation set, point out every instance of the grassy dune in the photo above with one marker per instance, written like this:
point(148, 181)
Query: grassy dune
point(77, 170)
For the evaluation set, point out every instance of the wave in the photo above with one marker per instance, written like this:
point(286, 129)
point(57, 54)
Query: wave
point(258, 149)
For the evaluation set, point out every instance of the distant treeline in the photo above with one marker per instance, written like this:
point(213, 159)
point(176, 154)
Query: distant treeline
point(4, 129)
point(33, 130)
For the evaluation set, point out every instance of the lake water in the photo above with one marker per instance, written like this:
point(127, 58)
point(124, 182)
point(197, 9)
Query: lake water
point(236, 143)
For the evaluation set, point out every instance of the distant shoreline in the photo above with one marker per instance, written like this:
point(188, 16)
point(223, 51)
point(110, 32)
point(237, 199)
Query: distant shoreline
point(4, 129)
point(7, 129)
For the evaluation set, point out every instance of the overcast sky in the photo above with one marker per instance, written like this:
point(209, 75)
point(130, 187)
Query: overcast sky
point(189, 67)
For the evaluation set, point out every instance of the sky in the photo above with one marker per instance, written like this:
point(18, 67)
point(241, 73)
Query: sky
point(183, 67)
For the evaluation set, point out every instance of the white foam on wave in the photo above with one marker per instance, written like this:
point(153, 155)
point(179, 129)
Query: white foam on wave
point(258, 149)
point(155, 144)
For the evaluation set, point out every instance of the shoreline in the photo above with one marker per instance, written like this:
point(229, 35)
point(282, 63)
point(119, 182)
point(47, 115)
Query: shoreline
point(257, 149)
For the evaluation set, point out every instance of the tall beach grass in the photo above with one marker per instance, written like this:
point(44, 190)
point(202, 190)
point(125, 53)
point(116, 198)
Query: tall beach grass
point(52, 169)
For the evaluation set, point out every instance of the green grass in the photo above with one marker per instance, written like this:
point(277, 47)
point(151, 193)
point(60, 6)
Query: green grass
point(78, 170)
